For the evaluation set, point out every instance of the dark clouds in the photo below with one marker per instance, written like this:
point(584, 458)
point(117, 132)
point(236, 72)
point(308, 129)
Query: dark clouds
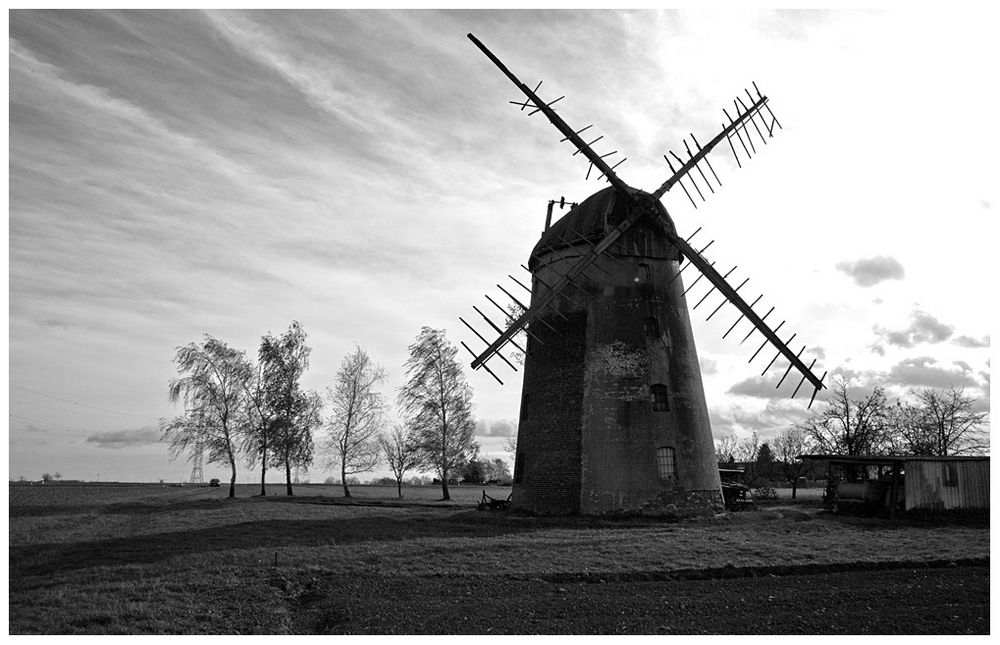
point(761, 387)
point(776, 416)
point(117, 439)
point(927, 372)
point(870, 271)
point(924, 328)
point(766, 386)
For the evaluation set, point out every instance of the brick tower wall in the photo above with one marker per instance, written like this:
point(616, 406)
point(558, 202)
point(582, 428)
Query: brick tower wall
point(647, 440)
point(547, 463)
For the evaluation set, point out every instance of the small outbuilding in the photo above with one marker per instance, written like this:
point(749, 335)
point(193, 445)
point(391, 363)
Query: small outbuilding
point(906, 482)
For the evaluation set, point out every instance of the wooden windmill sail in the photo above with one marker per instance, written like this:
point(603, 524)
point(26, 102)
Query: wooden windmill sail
point(613, 224)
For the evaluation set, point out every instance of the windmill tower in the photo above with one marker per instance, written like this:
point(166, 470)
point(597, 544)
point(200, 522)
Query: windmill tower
point(613, 413)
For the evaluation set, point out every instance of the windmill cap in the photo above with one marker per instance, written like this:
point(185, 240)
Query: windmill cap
point(594, 218)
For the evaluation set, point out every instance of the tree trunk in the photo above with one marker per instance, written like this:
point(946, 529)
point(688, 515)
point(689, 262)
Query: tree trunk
point(288, 476)
point(232, 480)
point(399, 487)
point(263, 469)
point(795, 485)
point(343, 479)
point(444, 462)
point(444, 488)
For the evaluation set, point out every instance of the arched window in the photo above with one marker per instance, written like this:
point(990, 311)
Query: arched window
point(660, 396)
point(666, 462)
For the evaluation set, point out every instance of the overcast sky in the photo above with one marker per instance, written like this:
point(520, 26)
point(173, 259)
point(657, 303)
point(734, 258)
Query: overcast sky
point(176, 174)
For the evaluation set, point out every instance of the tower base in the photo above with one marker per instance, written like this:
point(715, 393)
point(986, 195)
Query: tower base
point(682, 504)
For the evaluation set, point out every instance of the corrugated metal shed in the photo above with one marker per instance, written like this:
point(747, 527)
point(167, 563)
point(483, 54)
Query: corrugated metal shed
point(945, 483)
point(930, 483)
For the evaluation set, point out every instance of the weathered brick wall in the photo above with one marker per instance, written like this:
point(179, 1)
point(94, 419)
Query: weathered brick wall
point(548, 443)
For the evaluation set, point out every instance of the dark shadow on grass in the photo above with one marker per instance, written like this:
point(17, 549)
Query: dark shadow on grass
point(46, 559)
point(152, 503)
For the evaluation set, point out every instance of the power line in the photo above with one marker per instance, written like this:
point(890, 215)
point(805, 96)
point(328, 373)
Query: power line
point(83, 405)
point(48, 423)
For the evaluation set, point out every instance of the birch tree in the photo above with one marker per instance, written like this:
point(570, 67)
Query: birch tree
point(295, 412)
point(259, 437)
point(212, 387)
point(437, 401)
point(358, 415)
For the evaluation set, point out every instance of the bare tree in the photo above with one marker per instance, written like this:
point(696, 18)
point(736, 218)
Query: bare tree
point(358, 415)
point(212, 388)
point(725, 449)
point(746, 450)
point(788, 445)
point(510, 445)
point(438, 402)
point(849, 426)
point(497, 470)
point(942, 422)
point(46, 478)
point(401, 453)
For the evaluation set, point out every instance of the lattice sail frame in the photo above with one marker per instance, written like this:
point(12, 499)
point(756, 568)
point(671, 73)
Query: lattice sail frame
point(644, 205)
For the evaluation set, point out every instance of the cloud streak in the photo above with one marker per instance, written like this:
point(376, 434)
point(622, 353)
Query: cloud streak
point(969, 341)
point(120, 439)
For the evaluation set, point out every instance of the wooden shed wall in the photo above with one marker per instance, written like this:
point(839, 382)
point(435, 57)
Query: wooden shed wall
point(925, 485)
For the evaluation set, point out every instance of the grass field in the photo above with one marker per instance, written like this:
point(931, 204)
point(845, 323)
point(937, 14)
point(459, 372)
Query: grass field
point(152, 559)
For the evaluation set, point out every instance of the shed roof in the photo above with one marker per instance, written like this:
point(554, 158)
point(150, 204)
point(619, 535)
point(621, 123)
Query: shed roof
point(885, 459)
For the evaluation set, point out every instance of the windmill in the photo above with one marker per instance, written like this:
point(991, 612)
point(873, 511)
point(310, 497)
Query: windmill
point(613, 413)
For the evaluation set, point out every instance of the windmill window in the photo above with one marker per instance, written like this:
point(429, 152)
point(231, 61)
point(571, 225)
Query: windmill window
point(652, 327)
point(645, 274)
point(660, 396)
point(950, 475)
point(666, 462)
